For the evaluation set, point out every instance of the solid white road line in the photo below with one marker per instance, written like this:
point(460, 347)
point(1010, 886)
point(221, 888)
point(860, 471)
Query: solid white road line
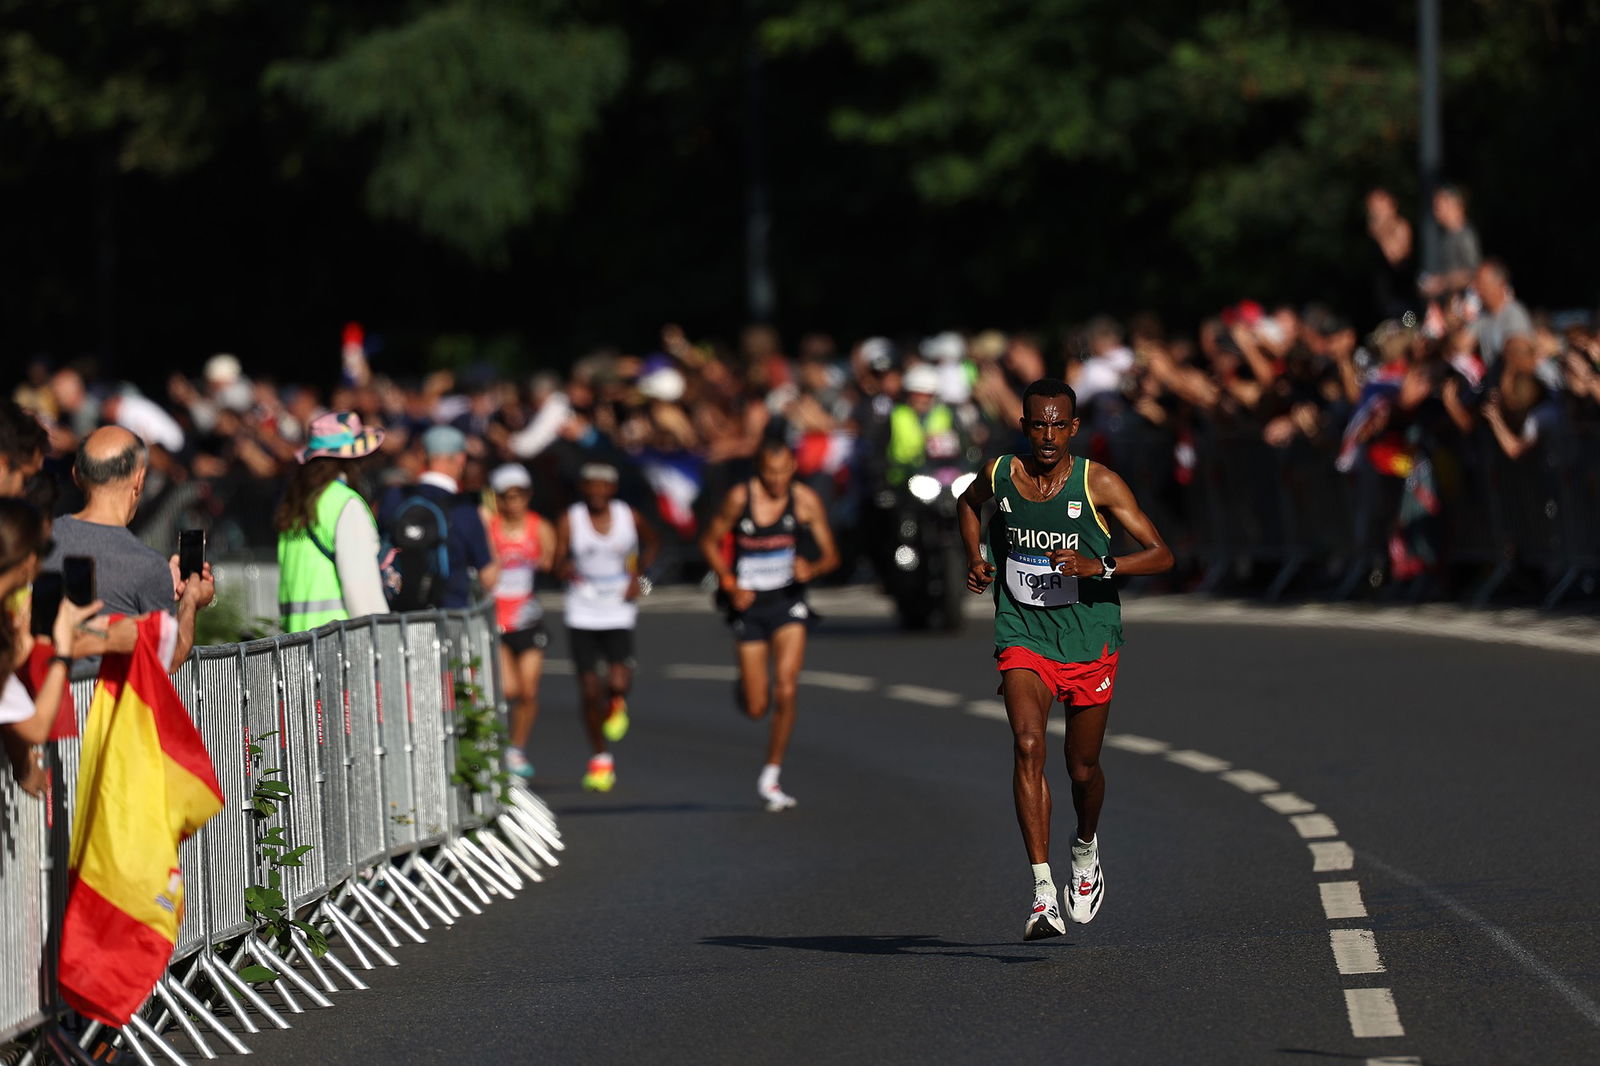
point(844, 682)
point(1136, 744)
point(1331, 856)
point(1372, 1013)
point(1342, 899)
point(702, 672)
point(1250, 781)
point(1355, 951)
point(1199, 760)
point(932, 697)
point(1288, 803)
point(1311, 826)
point(1057, 728)
point(988, 709)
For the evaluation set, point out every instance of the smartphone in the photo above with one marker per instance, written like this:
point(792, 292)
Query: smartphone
point(77, 579)
point(47, 589)
point(191, 552)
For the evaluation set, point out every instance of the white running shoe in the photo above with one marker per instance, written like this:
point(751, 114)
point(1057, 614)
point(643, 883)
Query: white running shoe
point(1044, 919)
point(1086, 890)
point(776, 798)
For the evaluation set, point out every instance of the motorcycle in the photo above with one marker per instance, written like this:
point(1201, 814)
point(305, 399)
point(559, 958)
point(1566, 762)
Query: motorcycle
point(925, 571)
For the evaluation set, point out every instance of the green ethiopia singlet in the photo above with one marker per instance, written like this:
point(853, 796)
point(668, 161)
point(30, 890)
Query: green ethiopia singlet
point(1066, 619)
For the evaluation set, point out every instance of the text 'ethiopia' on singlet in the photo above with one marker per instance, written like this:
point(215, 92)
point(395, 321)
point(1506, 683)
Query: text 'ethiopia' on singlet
point(515, 604)
point(1066, 619)
point(763, 556)
point(597, 597)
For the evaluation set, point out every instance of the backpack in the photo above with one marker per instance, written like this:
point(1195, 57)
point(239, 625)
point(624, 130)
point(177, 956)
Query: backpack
point(416, 557)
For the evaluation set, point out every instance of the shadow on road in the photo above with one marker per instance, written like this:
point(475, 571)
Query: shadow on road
point(913, 944)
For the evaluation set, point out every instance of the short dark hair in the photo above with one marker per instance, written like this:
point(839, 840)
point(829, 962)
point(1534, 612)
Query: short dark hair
point(123, 464)
point(1498, 268)
point(773, 446)
point(1049, 388)
point(21, 435)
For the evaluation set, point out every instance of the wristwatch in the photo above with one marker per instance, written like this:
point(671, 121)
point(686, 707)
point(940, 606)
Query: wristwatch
point(1108, 565)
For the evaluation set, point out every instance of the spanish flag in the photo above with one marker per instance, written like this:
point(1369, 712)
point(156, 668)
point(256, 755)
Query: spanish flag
point(145, 783)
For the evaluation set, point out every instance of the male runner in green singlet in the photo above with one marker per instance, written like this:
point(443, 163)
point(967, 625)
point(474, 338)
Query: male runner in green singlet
point(1057, 625)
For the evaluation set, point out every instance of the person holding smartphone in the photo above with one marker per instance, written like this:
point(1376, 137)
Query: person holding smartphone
point(26, 720)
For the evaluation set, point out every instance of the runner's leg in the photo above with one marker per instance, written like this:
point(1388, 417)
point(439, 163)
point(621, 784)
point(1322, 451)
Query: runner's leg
point(1028, 707)
point(1086, 731)
point(788, 653)
point(595, 706)
point(525, 708)
point(753, 678)
point(510, 681)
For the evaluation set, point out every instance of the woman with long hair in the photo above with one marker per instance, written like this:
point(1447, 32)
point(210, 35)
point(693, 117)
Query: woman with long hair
point(522, 544)
point(327, 538)
point(27, 719)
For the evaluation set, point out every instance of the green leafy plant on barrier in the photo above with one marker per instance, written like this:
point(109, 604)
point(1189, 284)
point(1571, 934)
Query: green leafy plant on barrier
point(480, 737)
point(224, 622)
point(266, 904)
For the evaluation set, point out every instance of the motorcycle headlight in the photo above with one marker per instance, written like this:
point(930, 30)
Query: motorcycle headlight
point(924, 488)
point(959, 485)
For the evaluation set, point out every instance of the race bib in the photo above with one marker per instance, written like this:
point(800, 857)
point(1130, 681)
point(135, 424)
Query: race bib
point(613, 587)
point(514, 581)
point(766, 571)
point(1032, 580)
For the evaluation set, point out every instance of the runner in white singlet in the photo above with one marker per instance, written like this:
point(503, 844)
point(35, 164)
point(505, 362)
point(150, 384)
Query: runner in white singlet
point(603, 546)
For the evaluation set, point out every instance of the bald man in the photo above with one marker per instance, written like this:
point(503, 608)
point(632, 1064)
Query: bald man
point(130, 577)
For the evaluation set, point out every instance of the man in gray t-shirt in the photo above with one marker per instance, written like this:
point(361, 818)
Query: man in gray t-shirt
point(129, 577)
point(1503, 315)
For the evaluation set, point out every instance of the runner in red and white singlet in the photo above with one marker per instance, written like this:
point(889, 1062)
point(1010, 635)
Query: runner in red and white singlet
point(523, 544)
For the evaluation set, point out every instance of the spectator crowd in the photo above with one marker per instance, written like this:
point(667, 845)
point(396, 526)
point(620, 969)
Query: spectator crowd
point(1386, 417)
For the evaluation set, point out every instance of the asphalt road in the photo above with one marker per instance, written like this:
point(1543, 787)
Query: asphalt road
point(880, 920)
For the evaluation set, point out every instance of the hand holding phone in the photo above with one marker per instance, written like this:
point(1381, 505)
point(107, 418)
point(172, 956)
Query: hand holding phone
point(47, 592)
point(191, 552)
point(77, 577)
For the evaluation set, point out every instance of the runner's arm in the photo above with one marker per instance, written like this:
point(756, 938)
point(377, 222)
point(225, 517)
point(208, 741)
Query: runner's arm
point(547, 543)
point(649, 542)
point(810, 511)
point(559, 563)
point(1113, 496)
point(969, 515)
point(720, 525)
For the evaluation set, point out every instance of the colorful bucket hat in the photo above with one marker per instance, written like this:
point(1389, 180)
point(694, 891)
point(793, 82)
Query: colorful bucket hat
point(340, 435)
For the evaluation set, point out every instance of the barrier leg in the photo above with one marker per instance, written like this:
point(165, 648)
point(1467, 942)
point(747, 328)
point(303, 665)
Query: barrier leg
point(356, 936)
point(404, 885)
point(464, 870)
point(519, 833)
point(223, 978)
point(178, 1015)
point(266, 955)
point(388, 878)
point(442, 885)
point(531, 808)
point(299, 946)
point(192, 1003)
point(377, 910)
point(128, 1038)
point(62, 1046)
point(505, 854)
point(500, 879)
point(304, 948)
point(145, 1032)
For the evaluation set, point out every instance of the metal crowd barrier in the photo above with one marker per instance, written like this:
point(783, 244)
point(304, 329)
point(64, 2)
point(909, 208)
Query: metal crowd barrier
point(359, 719)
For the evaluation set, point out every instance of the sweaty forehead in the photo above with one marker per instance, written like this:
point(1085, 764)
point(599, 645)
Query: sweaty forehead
point(1049, 409)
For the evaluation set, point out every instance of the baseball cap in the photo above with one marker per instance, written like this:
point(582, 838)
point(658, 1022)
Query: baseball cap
point(510, 476)
point(444, 440)
point(921, 378)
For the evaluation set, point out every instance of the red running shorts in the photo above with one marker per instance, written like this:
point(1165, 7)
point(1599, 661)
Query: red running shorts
point(1074, 684)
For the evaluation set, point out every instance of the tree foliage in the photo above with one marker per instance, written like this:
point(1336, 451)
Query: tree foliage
point(479, 111)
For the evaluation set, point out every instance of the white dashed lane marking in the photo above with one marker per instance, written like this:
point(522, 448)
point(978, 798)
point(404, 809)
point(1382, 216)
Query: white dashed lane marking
point(1355, 951)
point(1331, 856)
point(1373, 1013)
point(1342, 899)
point(1395, 1060)
point(1288, 803)
point(1199, 760)
point(844, 682)
point(988, 709)
point(1311, 826)
point(702, 672)
point(1136, 744)
point(932, 697)
point(1250, 781)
